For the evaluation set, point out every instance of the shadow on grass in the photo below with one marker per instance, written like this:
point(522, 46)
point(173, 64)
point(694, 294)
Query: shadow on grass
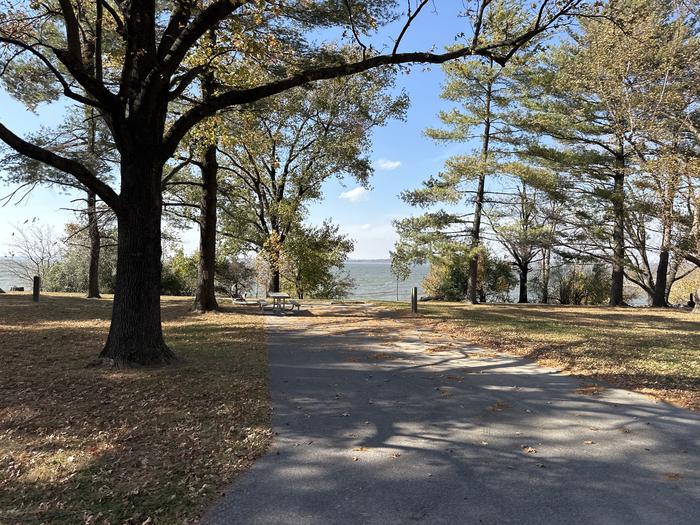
point(81, 443)
point(653, 350)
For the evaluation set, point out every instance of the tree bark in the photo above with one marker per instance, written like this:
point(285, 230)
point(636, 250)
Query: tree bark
point(618, 201)
point(546, 272)
point(662, 270)
point(93, 290)
point(671, 276)
point(522, 297)
point(135, 335)
point(479, 199)
point(659, 298)
point(275, 283)
point(205, 296)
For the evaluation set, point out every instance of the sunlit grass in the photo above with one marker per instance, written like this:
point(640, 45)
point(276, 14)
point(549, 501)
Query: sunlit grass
point(91, 445)
point(652, 350)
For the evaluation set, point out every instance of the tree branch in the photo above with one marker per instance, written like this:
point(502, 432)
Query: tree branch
point(72, 30)
point(500, 52)
point(67, 91)
point(412, 17)
point(244, 96)
point(189, 35)
point(72, 167)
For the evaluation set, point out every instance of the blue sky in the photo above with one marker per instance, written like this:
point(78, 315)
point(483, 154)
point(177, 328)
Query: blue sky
point(402, 158)
point(401, 155)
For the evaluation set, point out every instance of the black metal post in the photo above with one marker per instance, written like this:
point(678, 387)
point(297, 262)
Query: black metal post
point(414, 300)
point(37, 287)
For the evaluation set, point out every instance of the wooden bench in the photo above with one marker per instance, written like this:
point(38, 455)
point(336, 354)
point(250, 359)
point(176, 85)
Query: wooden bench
point(262, 304)
point(295, 304)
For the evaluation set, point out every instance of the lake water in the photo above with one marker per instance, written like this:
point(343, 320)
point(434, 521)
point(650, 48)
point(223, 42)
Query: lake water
point(373, 280)
point(7, 278)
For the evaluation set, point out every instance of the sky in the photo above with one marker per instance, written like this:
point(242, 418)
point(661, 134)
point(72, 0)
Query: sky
point(402, 156)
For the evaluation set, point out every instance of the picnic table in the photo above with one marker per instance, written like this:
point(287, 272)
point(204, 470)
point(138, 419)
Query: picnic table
point(279, 300)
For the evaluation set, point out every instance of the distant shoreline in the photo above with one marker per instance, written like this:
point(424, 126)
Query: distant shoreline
point(383, 261)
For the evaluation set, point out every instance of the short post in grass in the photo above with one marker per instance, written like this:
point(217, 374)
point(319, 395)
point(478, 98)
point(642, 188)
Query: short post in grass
point(35, 290)
point(414, 300)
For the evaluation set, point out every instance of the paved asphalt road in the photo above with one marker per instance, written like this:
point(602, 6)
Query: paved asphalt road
point(374, 429)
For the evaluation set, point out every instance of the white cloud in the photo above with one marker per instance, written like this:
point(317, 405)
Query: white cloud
point(384, 164)
point(355, 195)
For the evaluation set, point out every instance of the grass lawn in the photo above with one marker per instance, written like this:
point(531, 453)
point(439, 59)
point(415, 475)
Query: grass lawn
point(656, 351)
point(91, 445)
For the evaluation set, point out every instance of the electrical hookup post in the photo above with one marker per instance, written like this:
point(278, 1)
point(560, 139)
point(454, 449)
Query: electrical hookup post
point(414, 300)
point(36, 288)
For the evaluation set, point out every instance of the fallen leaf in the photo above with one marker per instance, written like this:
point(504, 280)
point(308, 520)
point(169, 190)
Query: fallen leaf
point(528, 449)
point(499, 406)
point(589, 442)
point(590, 389)
point(439, 348)
point(672, 476)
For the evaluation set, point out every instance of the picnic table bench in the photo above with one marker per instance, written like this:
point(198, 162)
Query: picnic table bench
point(279, 303)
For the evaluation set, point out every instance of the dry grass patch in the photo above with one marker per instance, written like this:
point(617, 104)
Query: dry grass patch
point(92, 445)
point(654, 351)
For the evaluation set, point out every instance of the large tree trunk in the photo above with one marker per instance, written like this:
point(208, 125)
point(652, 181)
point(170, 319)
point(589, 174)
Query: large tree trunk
point(93, 290)
point(275, 283)
point(135, 335)
point(205, 297)
point(672, 272)
point(659, 298)
point(522, 297)
point(546, 272)
point(662, 270)
point(618, 200)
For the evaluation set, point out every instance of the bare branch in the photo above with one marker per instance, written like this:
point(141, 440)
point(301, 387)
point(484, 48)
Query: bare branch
point(354, 29)
point(411, 18)
point(72, 167)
